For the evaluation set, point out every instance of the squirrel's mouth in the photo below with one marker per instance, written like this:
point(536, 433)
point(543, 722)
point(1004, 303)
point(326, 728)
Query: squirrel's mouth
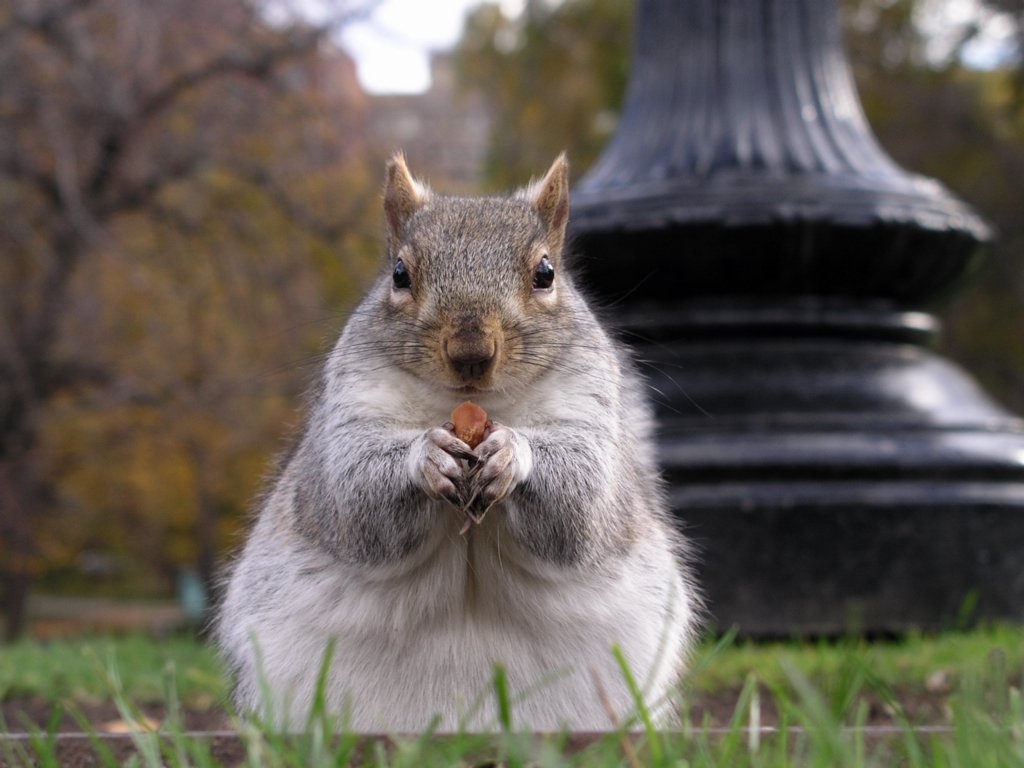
point(467, 390)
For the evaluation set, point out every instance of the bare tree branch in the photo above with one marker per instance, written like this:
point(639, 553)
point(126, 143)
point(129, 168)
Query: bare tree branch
point(46, 24)
point(14, 166)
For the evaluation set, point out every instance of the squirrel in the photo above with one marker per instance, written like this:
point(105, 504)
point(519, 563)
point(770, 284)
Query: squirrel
point(357, 546)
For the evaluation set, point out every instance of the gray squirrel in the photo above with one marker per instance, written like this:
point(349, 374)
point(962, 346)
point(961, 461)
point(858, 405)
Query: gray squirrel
point(359, 544)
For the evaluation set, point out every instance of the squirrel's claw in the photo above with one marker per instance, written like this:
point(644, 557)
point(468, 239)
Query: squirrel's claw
point(478, 505)
point(488, 488)
point(471, 518)
point(434, 466)
point(455, 447)
point(494, 476)
point(454, 498)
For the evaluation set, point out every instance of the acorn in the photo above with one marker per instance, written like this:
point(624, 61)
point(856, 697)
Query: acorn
point(470, 422)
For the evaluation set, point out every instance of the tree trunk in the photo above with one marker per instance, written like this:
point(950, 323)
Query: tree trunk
point(18, 557)
point(15, 590)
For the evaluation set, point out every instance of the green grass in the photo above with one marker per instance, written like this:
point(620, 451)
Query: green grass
point(825, 689)
point(908, 662)
point(79, 670)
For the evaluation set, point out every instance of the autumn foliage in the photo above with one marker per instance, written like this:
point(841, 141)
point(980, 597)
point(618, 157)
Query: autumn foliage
point(185, 191)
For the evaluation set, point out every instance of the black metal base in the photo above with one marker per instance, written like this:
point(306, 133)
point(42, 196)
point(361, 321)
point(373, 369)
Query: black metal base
point(881, 560)
point(761, 250)
point(835, 482)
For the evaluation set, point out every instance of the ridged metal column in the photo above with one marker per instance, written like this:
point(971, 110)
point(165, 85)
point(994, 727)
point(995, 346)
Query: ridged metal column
point(772, 264)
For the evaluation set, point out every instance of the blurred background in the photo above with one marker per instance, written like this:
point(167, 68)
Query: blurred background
point(189, 205)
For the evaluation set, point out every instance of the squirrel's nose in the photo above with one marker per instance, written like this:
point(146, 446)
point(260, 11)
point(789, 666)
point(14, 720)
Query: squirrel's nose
point(471, 354)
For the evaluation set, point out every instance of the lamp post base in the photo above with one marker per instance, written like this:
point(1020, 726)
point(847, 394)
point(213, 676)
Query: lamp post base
point(844, 479)
point(877, 561)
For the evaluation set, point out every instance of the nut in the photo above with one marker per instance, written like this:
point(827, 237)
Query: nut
point(470, 422)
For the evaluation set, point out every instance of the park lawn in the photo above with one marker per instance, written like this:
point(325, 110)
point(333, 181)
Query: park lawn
point(905, 663)
point(968, 682)
point(88, 670)
point(83, 670)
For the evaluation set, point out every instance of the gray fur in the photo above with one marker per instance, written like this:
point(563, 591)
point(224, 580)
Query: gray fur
point(357, 543)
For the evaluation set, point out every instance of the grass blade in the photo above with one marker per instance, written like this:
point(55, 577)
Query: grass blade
point(653, 737)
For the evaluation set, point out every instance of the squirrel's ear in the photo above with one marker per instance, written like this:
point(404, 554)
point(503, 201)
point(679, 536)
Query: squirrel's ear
point(550, 198)
point(403, 196)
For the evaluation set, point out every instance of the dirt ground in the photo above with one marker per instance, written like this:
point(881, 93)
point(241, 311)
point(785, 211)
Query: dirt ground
point(920, 707)
point(715, 710)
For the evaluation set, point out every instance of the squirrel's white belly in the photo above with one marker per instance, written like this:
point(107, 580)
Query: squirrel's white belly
point(425, 643)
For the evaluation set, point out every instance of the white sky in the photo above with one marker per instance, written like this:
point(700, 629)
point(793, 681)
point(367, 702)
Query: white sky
point(392, 47)
point(943, 21)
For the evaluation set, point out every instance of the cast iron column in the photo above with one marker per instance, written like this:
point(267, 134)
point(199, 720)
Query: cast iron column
point(771, 263)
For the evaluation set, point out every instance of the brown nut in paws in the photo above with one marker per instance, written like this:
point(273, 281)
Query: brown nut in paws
point(470, 422)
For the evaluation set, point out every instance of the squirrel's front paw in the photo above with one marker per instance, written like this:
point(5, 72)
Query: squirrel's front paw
point(504, 460)
point(433, 465)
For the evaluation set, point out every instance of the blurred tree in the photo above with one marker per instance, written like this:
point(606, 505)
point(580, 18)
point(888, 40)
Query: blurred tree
point(964, 127)
point(554, 78)
point(164, 168)
point(1012, 13)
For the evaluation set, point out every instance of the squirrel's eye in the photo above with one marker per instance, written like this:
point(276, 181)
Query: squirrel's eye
point(544, 275)
point(401, 276)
